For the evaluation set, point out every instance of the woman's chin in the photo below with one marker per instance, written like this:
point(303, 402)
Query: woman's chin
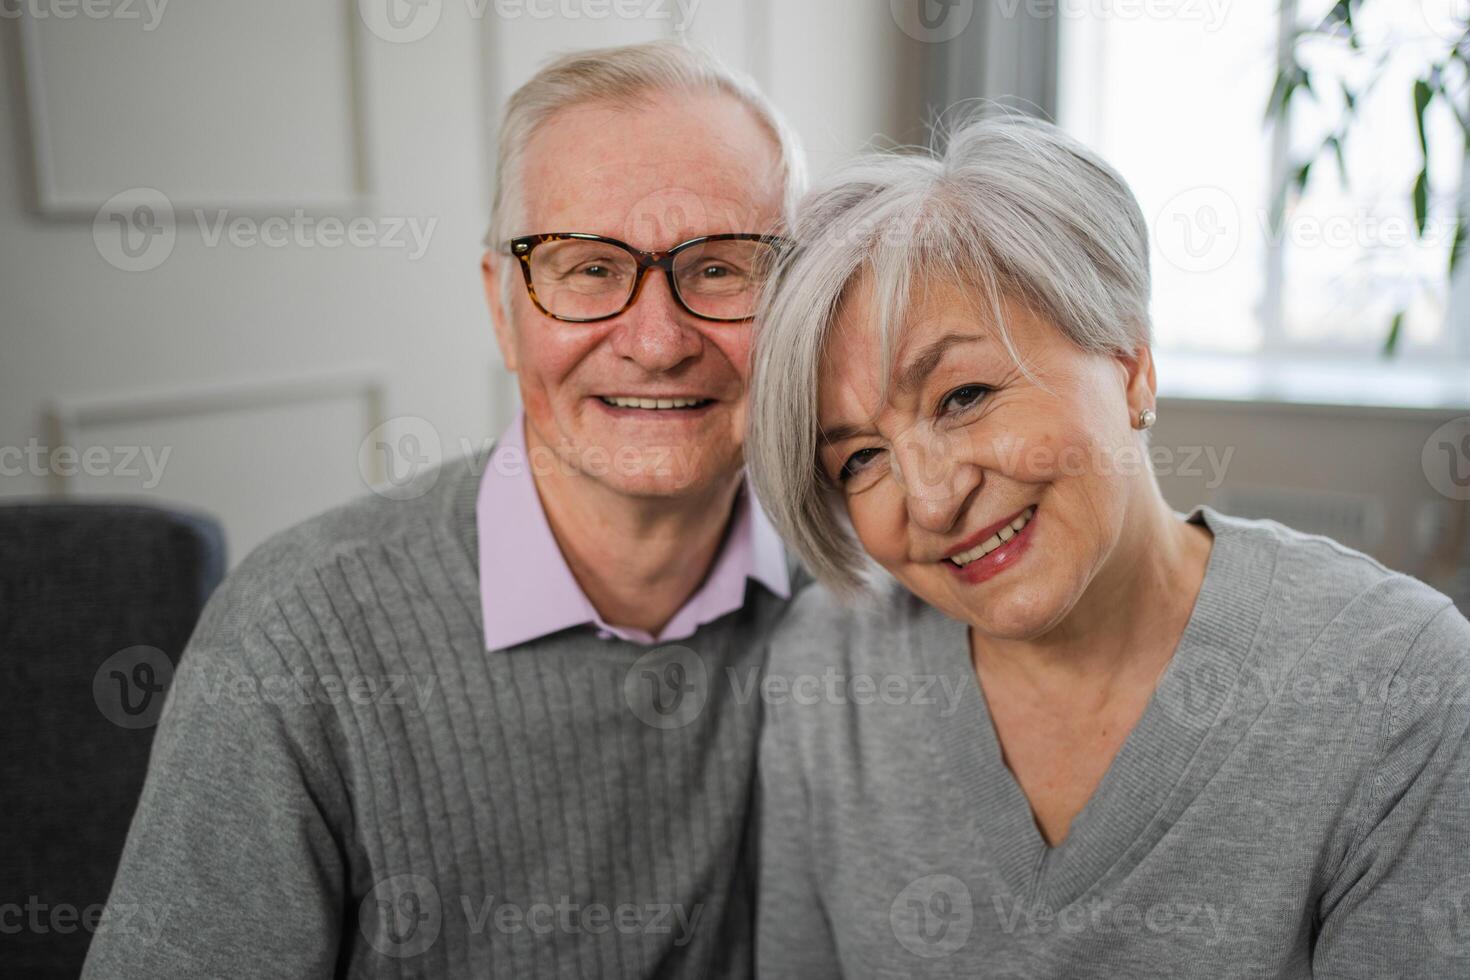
point(1011, 610)
point(1013, 617)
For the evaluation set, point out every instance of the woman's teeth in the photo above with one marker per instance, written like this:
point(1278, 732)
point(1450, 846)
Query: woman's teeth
point(995, 540)
point(653, 402)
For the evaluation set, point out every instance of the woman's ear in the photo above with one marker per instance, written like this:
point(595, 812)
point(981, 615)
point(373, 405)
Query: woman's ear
point(1141, 383)
point(499, 315)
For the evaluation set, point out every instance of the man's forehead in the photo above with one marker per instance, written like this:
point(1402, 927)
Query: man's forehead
point(616, 172)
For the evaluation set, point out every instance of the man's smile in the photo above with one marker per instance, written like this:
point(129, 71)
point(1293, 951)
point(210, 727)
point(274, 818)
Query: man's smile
point(644, 404)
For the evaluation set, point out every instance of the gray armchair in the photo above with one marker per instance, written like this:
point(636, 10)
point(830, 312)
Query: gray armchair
point(97, 601)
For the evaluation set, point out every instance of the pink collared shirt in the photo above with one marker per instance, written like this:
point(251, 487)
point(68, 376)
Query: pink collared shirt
point(527, 591)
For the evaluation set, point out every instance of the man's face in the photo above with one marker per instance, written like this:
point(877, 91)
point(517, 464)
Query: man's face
point(692, 165)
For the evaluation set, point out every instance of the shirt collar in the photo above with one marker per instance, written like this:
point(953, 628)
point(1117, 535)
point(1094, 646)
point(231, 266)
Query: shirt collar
point(527, 591)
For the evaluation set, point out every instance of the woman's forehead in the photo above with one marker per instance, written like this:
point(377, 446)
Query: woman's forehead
point(855, 343)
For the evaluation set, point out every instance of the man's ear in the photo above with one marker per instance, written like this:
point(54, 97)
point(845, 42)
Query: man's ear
point(504, 332)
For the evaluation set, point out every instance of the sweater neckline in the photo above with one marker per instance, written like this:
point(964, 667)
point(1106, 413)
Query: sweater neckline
point(1146, 786)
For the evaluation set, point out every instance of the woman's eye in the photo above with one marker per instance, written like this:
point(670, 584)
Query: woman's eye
point(856, 462)
point(964, 397)
point(595, 271)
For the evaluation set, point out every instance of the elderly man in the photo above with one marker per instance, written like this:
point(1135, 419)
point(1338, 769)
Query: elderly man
point(506, 726)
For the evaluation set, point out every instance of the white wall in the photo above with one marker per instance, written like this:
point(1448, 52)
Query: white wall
point(260, 371)
point(253, 374)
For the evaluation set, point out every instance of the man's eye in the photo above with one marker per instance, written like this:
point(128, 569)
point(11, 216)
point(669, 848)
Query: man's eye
point(714, 272)
point(856, 462)
point(963, 397)
point(595, 271)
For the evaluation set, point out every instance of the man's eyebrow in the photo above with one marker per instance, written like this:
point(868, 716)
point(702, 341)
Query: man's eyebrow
point(929, 356)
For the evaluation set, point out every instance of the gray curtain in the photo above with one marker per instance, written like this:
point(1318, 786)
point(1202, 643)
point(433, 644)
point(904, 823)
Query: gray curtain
point(1003, 53)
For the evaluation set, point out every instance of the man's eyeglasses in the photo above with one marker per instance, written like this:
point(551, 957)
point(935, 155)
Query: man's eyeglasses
point(584, 278)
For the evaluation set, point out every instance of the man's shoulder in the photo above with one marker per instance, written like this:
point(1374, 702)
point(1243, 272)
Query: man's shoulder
point(429, 508)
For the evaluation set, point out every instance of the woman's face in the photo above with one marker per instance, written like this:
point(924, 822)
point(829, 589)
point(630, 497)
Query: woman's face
point(995, 497)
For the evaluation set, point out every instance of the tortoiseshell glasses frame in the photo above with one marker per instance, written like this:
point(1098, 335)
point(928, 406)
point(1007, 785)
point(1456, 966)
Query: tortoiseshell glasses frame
point(524, 247)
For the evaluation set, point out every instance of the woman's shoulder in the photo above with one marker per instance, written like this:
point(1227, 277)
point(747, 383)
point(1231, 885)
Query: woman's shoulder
point(1310, 562)
point(1318, 592)
point(822, 630)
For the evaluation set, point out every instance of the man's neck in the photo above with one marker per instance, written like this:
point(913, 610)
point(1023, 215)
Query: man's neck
point(637, 559)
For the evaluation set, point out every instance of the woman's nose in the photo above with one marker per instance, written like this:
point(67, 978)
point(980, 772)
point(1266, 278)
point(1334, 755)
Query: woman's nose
point(936, 482)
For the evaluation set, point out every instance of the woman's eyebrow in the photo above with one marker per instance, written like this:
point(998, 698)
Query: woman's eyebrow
point(843, 431)
point(910, 377)
point(922, 364)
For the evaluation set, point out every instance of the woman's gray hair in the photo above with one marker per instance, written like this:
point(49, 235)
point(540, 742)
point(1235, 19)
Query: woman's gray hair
point(627, 76)
point(1013, 208)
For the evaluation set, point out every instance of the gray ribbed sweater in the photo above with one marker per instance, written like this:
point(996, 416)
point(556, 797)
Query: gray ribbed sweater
point(345, 783)
point(1294, 802)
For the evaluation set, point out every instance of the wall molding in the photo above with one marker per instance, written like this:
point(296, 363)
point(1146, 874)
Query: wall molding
point(54, 200)
point(67, 419)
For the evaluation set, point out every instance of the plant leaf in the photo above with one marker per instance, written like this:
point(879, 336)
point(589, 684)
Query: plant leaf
point(1459, 243)
point(1299, 177)
point(1276, 101)
point(1395, 328)
point(1422, 94)
point(1421, 200)
point(1334, 143)
point(1341, 15)
point(1281, 92)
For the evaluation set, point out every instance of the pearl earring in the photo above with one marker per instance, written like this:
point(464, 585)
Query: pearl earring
point(1146, 418)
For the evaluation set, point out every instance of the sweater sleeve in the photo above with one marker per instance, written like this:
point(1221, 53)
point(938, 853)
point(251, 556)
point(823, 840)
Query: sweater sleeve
point(793, 936)
point(1399, 904)
point(232, 866)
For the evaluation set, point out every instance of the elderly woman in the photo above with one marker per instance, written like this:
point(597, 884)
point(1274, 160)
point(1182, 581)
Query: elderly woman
point(1064, 731)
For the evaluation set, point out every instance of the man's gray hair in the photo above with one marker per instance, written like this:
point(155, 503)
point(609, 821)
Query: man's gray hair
point(1013, 208)
point(628, 76)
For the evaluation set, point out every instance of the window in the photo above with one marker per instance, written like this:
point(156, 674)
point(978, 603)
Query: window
point(1176, 98)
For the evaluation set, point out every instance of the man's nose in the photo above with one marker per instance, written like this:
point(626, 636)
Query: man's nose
point(936, 484)
point(655, 333)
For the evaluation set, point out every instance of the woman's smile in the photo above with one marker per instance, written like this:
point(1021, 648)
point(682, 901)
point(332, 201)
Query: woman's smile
point(992, 550)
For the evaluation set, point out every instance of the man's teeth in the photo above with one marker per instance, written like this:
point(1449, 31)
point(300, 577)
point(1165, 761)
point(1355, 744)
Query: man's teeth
point(653, 402)
point(995, 540)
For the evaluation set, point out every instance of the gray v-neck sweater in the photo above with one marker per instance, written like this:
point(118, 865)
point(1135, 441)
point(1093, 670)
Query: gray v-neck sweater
point(345, 782)
point(1294, 801)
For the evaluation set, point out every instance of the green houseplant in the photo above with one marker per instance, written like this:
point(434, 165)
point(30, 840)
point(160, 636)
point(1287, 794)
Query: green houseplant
point(1442, 79)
